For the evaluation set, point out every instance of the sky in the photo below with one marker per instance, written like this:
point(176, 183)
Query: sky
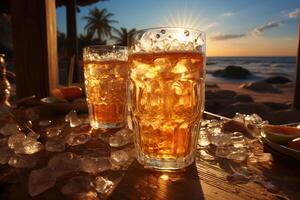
point(232, 27)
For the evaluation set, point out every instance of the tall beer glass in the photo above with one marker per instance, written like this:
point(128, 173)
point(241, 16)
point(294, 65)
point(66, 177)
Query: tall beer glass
point(166, 94)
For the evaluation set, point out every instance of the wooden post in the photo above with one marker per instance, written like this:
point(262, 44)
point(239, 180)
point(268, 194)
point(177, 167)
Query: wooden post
point(297, 84)
point(72, 44)
point(35, 46)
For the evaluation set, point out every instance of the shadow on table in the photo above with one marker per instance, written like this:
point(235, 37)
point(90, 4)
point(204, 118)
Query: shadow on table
point(140, 183)
point(284, 173)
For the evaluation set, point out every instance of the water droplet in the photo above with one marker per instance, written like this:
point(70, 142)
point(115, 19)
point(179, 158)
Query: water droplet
point(186, 33)
point(163, 31)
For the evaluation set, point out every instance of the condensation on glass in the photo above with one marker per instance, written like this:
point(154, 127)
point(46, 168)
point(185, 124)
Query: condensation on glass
point(166, 94)
point(105, 74)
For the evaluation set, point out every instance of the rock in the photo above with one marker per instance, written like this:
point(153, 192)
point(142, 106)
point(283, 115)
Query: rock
point(243, 98)
point(211, 85)
point(277, 106)
point(232, 71)
point(225, 94)
point(246, 108)
point(216, 104)
point(277, 80)
point(260, 86)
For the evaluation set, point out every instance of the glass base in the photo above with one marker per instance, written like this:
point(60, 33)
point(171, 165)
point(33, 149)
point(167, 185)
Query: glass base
point(166, 164)
point(98, 125)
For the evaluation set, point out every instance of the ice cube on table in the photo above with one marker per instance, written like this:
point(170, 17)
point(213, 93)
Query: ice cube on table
point(224, 151)
point(9, 129)
point(57, 145)
point(77, 185)
point(29, 146)
point(53, 132)
point(74, 122)
point(255, 146)
point(253, 119)
point(206, 156)
point(71, 114)
point(119, 157)
point(238, 178)
point(94, 165)
point(203, 139)
point(64, 163)
point(121, 138)
point(33, 135)
point(102, 184)
point(238, 140)
point(260, 158)
point(16, 140)
point(41, 180)
point(5, 154)
point(73, 119)
point(77, 139)
point(239, 117)
point(45, 122)
point(218, 139)
point(238, 154)
point(22, 161)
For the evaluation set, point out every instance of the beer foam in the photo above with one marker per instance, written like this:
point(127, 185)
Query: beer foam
point(170, 39)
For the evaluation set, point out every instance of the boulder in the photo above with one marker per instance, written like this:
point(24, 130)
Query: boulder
point(277, 80)
point(211, 85)
point(277, 106)
point(225, 94)
point(260, 86)
point(246, 108)
point(217, 104)
point(243, 98)
point(232, 71)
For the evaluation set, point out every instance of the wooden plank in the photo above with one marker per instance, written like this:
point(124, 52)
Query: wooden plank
point(297, 84)
point(52, 44)
point(72, 43)
point(34, 40)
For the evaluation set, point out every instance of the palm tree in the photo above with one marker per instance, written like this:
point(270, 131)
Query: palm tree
point(99, 24)
point(122, 36)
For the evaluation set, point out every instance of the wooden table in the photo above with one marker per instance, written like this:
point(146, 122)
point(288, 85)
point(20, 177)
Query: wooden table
point(202, 180)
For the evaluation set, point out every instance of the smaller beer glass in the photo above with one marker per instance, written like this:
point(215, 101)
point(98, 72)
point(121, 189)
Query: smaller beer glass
point(105, 74)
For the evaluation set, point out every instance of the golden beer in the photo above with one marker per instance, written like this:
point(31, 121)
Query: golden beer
point(166, 103)
point(105, 84)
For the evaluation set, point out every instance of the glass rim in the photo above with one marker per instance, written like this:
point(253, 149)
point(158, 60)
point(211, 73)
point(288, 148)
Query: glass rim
point(106, 47)
point(167, 28)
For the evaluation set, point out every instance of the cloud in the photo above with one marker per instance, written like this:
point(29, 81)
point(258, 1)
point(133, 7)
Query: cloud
point(260, 29)
point(295, 13)
point(210, 25)
point(227, 37)
point(227, 14)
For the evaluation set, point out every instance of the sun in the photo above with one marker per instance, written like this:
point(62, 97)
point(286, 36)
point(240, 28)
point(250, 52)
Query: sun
point(184, 17)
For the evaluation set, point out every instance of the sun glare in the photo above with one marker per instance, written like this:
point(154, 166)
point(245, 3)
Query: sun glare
point(187, 18)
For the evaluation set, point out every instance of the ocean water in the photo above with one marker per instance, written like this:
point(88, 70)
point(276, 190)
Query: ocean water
point(260, 67)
